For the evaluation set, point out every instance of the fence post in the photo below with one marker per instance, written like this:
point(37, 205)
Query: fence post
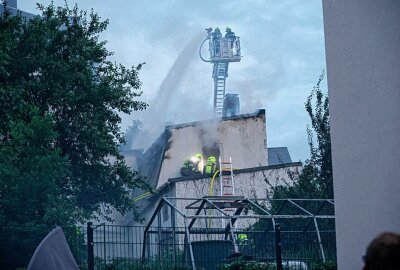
point(90, 250)
point(278, 247)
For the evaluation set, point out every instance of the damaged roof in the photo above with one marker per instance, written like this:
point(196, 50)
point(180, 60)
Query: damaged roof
point(151, 161)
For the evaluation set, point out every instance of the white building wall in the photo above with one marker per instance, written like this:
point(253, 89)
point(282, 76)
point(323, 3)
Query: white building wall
point(363, 66)
point(253, 184)
point(243, 139)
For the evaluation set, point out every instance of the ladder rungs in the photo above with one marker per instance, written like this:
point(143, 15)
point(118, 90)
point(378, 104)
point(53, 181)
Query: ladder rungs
point(226, 178)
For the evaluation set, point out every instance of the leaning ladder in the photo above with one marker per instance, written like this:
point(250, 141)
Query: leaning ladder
point(227, 183)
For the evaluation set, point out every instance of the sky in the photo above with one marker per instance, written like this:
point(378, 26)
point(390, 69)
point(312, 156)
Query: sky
point(282, 46)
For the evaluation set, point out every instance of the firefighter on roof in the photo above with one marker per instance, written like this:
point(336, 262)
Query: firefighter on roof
point(193, 166)
point(211, 165)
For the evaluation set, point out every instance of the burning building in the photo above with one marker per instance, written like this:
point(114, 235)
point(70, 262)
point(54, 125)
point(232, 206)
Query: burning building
point(180, 162)
point(240, 139)
point(216, 168)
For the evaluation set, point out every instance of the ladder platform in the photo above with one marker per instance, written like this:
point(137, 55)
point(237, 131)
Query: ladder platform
point(224, 198)
point(226, 205)
point(222, 202)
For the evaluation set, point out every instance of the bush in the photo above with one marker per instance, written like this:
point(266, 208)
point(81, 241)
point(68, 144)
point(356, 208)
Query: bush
point(248, 265)
point(126, 264)
point(328, 265)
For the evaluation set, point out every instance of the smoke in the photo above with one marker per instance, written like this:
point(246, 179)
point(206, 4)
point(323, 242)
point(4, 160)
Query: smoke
point(209, 135)
point(178, 98)
point(175, 75)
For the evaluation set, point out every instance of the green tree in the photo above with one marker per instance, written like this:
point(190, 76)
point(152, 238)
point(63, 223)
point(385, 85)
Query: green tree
point(316, 179)
point(60, 99)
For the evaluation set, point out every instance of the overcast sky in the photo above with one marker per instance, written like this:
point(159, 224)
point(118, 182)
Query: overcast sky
point(282, 47)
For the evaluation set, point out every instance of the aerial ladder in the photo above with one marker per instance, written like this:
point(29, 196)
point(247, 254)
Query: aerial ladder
point(222, 50)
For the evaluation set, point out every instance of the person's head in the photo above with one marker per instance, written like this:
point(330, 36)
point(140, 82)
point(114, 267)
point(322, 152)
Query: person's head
point(211, 159)
point(383, 253)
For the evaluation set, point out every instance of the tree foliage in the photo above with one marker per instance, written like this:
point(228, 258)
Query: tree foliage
point(60, 99)
point(316, 179)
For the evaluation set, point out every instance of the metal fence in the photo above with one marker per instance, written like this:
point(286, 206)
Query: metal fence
point(112, 247)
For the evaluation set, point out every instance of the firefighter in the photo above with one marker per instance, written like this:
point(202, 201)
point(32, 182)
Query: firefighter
point(242, 238)
point(229, 34)
point(192, 166)
point(211, 165)
point(216, 36)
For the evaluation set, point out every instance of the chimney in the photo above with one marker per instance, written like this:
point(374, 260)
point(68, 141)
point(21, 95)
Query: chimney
point(231, 105)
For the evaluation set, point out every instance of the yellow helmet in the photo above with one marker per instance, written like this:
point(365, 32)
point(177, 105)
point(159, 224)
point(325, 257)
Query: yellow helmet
point(211, 159)
point(242, 236)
